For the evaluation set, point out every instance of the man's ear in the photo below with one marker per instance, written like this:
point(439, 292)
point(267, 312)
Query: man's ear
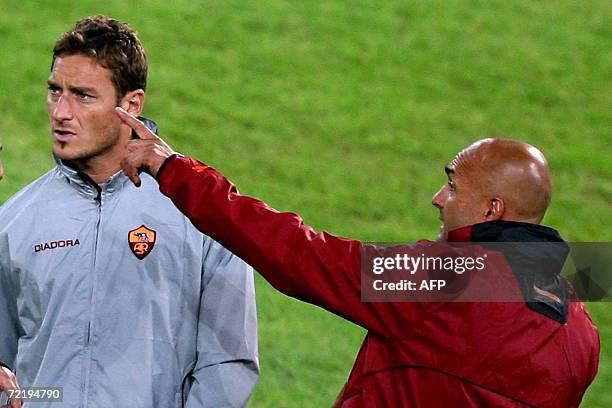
point(133, 102)
point(495, 210)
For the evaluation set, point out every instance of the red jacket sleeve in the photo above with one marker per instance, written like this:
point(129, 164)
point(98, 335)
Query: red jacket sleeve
point(318, 268)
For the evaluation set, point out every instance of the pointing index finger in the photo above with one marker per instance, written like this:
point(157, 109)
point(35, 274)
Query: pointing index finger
point(140, 128)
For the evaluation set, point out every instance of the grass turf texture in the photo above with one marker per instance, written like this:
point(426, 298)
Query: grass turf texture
point(346, 112)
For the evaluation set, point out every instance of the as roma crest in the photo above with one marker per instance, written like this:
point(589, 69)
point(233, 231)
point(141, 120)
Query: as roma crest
point(141, 240)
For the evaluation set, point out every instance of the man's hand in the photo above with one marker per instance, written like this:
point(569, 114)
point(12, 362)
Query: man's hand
point(8, 381)
point(145, 154)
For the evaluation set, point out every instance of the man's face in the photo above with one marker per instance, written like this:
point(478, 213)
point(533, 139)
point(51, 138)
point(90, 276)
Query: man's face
point(460, 201)
point(81, 102)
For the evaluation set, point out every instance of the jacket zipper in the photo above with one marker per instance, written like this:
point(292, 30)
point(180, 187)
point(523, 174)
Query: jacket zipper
point(86, 377)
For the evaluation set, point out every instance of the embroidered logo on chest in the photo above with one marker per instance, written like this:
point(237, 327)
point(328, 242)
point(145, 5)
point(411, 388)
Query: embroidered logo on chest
point(141, 241)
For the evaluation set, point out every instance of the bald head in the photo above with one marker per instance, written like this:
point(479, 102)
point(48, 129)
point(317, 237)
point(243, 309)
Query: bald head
point(514, 172)
point(494, 179)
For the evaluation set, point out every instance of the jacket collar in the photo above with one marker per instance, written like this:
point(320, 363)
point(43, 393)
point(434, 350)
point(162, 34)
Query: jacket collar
point(536, 255)
point(85, 184)
point(504, 231)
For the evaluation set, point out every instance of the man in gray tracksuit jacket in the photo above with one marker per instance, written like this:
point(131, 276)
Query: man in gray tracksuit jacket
point(80, 309)
point(106, 290)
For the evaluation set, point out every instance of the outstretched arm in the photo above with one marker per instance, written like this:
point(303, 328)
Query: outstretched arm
point(318, 268)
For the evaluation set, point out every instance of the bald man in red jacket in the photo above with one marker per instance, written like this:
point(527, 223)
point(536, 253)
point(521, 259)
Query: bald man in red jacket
point(540, 352)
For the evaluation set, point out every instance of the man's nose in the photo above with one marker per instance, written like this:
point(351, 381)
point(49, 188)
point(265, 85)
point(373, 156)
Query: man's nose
point(62, 109)
point(438, 199)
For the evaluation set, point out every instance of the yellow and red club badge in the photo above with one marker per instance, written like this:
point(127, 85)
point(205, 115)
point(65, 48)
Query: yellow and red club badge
point(141, 240)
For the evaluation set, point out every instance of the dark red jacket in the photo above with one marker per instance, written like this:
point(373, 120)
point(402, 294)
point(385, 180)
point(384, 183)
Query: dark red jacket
point(416, 354)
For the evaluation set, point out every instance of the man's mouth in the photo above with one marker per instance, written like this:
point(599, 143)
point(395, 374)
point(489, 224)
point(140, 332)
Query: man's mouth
point(63, 135)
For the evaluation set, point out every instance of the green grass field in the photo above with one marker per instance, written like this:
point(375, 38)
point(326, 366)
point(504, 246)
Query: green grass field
point(346, 112)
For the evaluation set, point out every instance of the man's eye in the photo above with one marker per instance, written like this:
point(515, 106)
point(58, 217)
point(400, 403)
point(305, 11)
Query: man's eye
point(451, 185)
point(84, 96)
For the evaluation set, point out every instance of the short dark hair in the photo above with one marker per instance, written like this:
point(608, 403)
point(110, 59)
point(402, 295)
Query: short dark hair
point(113, 44)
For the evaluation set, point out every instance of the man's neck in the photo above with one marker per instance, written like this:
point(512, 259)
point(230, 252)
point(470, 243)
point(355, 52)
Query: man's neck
point(97, 174)
point(99, 168)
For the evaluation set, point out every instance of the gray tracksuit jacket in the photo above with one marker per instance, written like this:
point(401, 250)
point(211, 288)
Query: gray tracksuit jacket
point(110, 293)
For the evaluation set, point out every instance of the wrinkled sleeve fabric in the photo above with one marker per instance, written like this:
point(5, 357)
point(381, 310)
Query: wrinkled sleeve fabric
point(227, 367)
point(10, 330)
point(318, 268)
